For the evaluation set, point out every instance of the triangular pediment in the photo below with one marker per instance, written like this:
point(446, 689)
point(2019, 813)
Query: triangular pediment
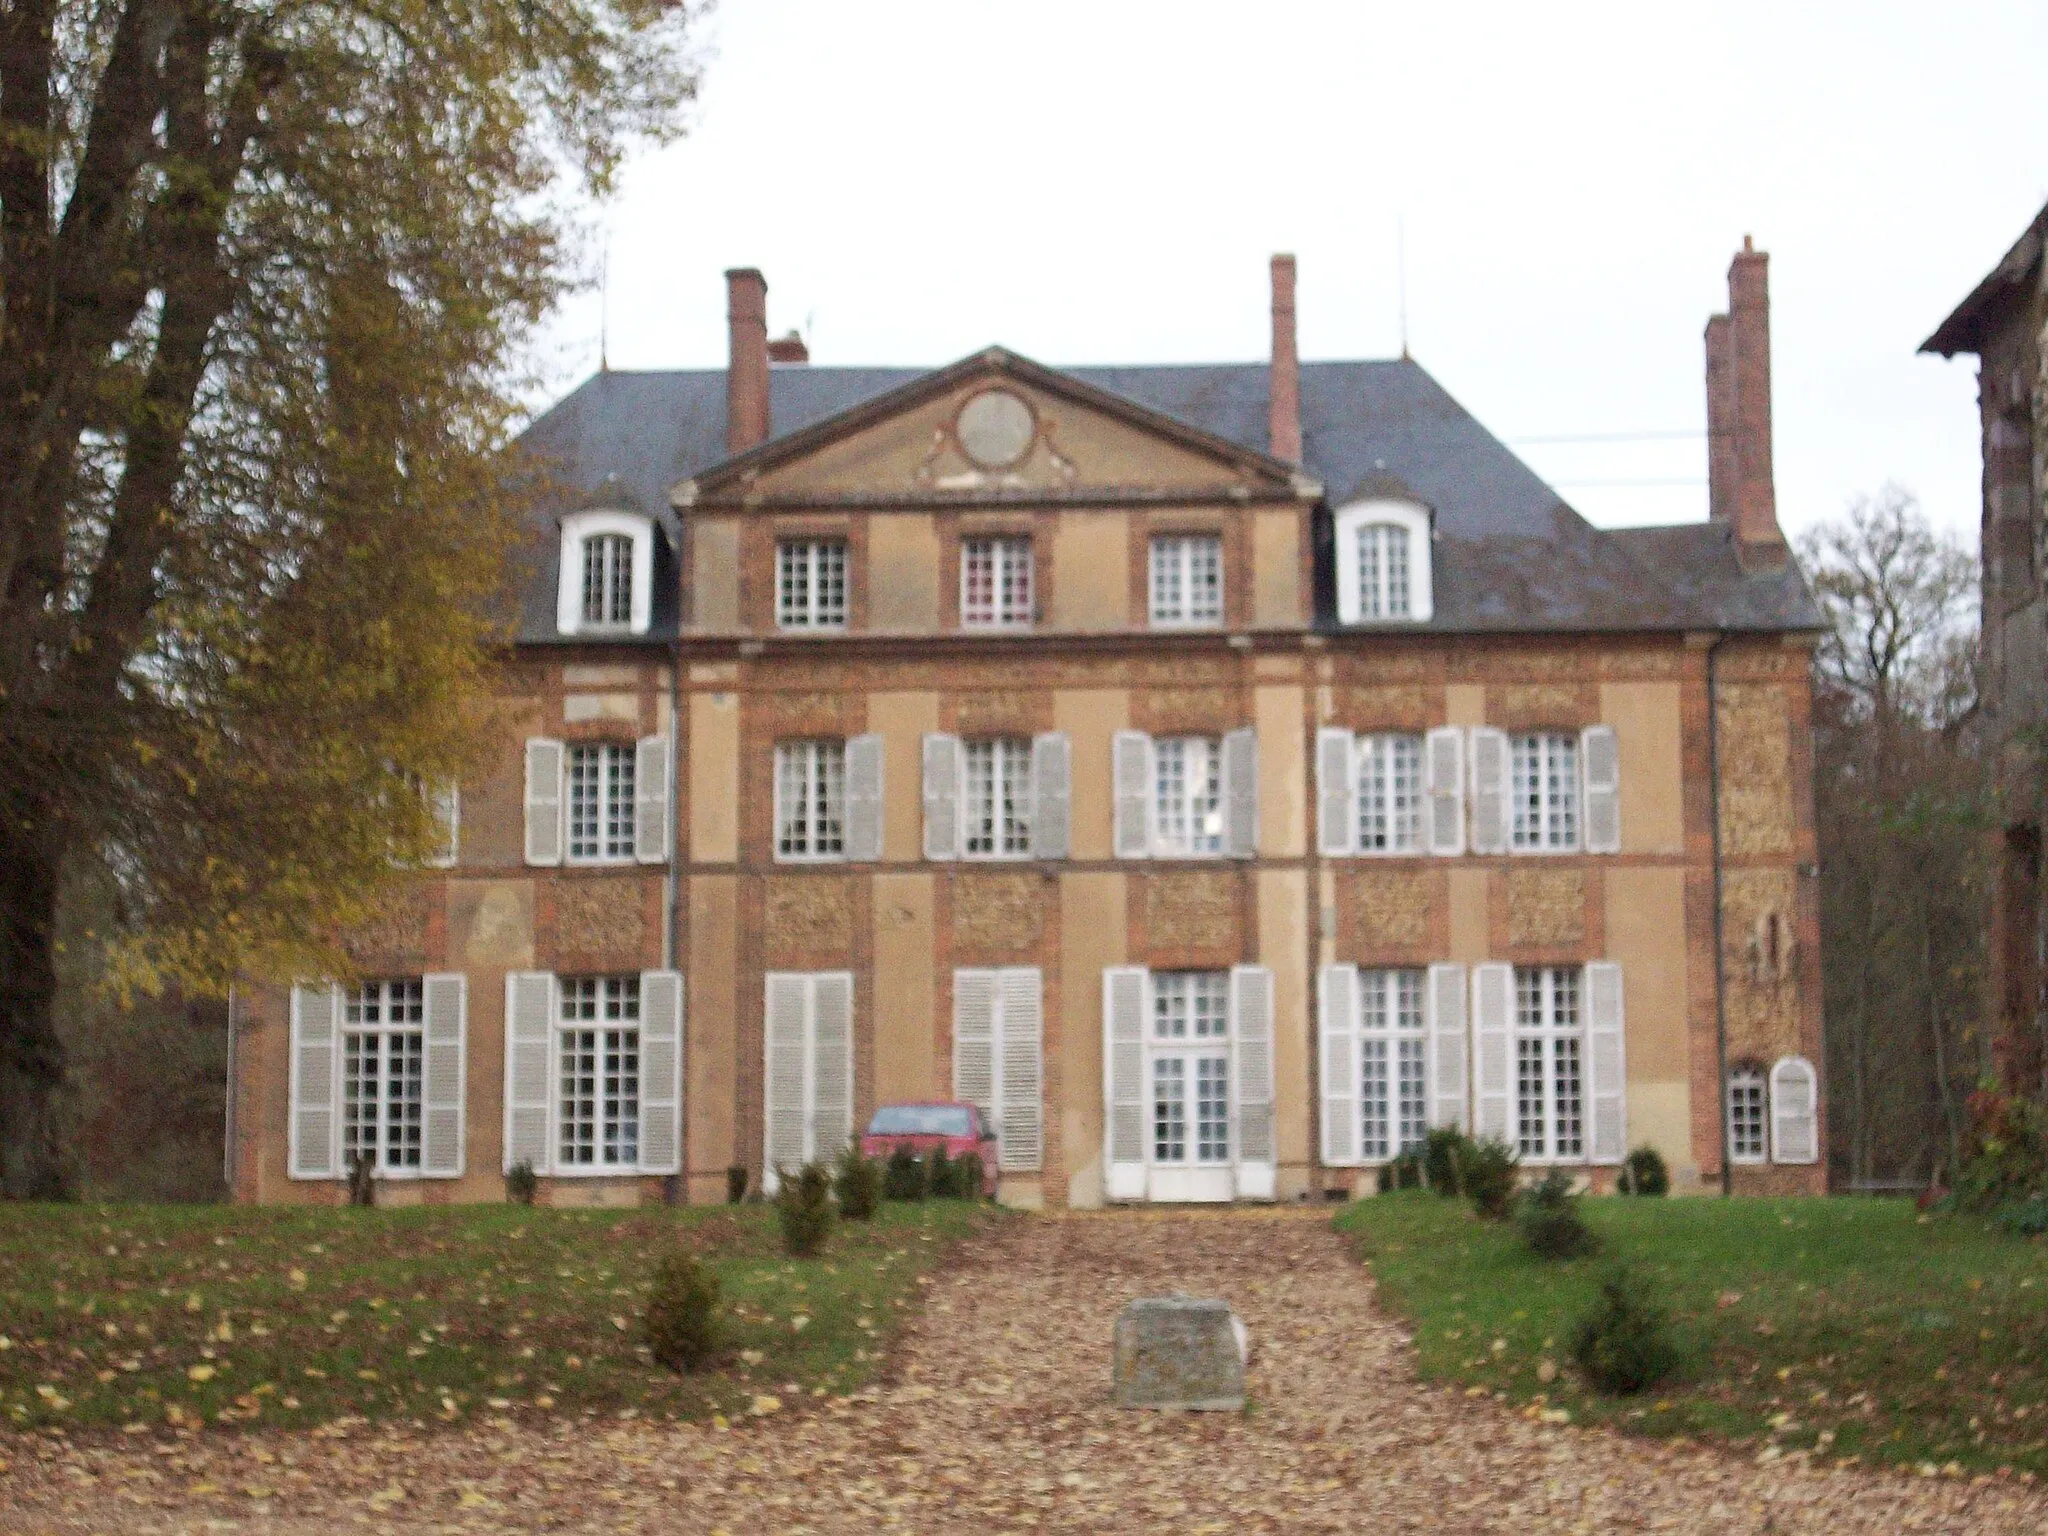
point(994, 427)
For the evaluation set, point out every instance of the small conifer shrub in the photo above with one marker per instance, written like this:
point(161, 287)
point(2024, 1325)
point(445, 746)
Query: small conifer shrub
point(904, 1179)
point(1624, 1344)
point(735, 1185)
point(1404, 1172)
point(1486, 1173)
point(521, 1184)
point(969, 1174)
point(682, 1319)
point(362, 1179)
point(858, 1183)
point(803, 1207)
point(1443, 1159)
point(1549, 1218)
point(938, 1174)
point(1644, 1173)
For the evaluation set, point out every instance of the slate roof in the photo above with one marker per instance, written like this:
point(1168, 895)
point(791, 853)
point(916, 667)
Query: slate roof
point(1964, 329)
point(1511, 555)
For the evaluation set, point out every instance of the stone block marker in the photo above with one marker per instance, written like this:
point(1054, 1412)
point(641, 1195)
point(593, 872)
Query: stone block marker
point(1179, 1352)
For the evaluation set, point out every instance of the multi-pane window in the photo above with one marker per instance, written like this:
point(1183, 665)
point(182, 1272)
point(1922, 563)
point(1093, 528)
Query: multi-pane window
point(1187, 579)
point(1545, 788)
point(599, 1058)
point(1393, 1063)
point(600, 804)
point(1389, 794)
point(1549, 1062)
point(608, 580)
point(383, 1068)
point(1747, 1103)
point(1169, 1109)
point(1382, 554)
point(810, 799)
point(1190, 1005)
point(810, 584)
point(995, 583)
point(1187, 795)
point(998, 775)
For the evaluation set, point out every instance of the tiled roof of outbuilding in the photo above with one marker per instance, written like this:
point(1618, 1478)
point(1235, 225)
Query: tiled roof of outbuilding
point(1511, 555)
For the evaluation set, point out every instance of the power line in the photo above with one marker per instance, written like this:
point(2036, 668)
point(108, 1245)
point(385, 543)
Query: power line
point(1615, 437)
point(1582, 484)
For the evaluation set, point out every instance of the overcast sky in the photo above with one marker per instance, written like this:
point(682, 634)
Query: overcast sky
point(1102, 181)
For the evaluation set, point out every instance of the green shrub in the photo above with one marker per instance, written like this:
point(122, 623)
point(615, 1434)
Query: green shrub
point(1404, 1172)
point(1443, 1159)
point(1548, 1215)
point(682, 1321)
point(969, 1174)
point(1486, 1173)
point(1624, 1344)
point(735, 1185)
point(2006, 1162)
point(904, 1178)
point(1644, 1173)
point(362, 1179)
point(522, 1184)
point(938, 1173)
point(858, 1183)
point(2025, 1218)
point(803, 1207)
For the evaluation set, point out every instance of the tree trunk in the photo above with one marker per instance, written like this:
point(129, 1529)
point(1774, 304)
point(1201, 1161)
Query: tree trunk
point(1943, 1088)
point(32, 1161)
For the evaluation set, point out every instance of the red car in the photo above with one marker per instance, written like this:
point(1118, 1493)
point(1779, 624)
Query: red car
point(921, 1127)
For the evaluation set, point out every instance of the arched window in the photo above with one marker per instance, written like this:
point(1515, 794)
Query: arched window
point(1748, 1114)
point(1383, 563)
point(607, 580)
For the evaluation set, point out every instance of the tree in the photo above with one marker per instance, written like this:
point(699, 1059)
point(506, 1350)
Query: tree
point(1901, 801)
point(266, 270)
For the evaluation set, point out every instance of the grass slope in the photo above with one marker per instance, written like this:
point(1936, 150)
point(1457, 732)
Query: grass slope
point(1849, 1327)
point(139, 1315)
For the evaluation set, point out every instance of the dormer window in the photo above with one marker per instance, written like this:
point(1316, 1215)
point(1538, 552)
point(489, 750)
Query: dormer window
point(1383, 563)
point(607, 584)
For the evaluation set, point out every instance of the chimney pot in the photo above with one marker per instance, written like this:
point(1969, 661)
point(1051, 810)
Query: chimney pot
point(789, 349)
point(1283, 426)
point(746, 369)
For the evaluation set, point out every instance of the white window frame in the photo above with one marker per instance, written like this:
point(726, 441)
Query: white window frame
point(1393, 1014)
point(618, 768)
point(1012, 587)
point(804, 564)
point(1176, 557)
point(1538, 829)
point(1209, 772)
point(1746, 1080)
point(387, 996)
point(577, 528)
point(1191, 1009)
point(1406, 516)
point(1011, 783)
point(1372, 757)
point(804, 767)
point(1551, 1033)
point(628, 992)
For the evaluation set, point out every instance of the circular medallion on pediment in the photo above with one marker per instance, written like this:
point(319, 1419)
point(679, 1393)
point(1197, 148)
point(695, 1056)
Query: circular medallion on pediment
point(995, 429)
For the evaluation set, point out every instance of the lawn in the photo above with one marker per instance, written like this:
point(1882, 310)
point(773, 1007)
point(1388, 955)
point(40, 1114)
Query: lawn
point(1850, 1328)
point(133, 1316)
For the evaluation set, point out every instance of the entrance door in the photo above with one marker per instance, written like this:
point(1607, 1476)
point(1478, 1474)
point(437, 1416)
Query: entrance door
point(1190, 1125)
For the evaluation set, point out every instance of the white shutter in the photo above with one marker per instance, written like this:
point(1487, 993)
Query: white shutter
point(1336, 792)
point(941, 797)
point(1443, 772)
point(1493, 1050)
point(864, 799)
point(1337, 1015)
point(447, 808)
point(661, 1072)
point(1131, 754)
point(1124, 1002)
point(445, 1002)
point(974, 1040)
point(529, 1063)
point(785, 1096)
point(1607, 1068)
point(1490, 804)
point(315, 1151)
point(1251, 1031)
point(1052, 787)
point(650, 800)
point(1795, 1111)
point(1449, 1103)
point(1241, 793)
point(543, 801)
point(1020, 1071)
point(1600, 759)
point(832, 1064)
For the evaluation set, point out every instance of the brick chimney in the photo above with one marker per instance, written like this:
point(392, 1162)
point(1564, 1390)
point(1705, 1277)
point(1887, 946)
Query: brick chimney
point(1741, 479)
point(1283, 391)
point(746, 371)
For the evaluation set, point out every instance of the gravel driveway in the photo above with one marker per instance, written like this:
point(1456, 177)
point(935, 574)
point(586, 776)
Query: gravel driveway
point(999, 1421)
